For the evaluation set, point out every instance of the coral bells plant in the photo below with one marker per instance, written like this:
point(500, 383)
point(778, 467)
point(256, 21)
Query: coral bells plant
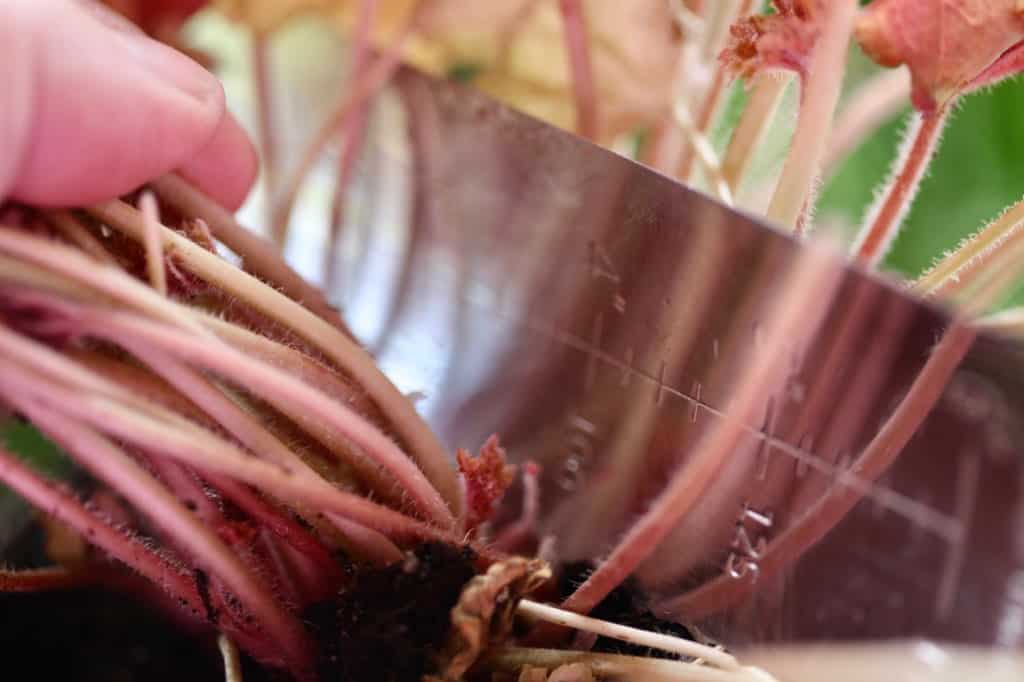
point(252, 473)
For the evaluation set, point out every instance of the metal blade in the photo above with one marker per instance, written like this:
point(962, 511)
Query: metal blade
point(597, 315)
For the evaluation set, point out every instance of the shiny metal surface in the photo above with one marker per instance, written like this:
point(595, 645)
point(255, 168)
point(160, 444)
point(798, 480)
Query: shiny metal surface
point(596, 316)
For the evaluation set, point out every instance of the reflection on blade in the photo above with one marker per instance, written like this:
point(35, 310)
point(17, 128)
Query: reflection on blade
point(601, 319)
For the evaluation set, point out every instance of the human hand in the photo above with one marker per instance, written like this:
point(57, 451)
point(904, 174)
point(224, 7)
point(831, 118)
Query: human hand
point(90, 108)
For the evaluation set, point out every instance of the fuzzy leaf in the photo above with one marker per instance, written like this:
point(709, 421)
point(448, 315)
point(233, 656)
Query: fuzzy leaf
point(946, 44)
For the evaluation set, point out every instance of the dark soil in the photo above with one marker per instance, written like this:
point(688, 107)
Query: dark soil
point(625, 605)
point(389, 624)
point(95, 635)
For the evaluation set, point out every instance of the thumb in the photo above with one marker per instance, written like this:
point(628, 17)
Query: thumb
point(90, 107)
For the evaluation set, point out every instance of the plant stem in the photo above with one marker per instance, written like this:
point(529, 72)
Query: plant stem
point(722, 15)
point(113, 466)
point(636, 636)
point(957, 268)
point(229, 654)
point(705, 153)
point(258, 256)
point(725, 591)
point(757, 117)
point(204, 451)
point(129, 550)
point(801, 307)
point(339, 348)
point(884, 219)
point(275, 386)
point(78, 234)
point(152, 243)
point(794, 194)
point(110, 281)
point(581, 67)
point(43, 579)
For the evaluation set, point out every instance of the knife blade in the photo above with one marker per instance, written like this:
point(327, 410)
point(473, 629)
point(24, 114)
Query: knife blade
point(596, 316)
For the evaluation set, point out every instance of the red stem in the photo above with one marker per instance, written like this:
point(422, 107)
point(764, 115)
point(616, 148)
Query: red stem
point(58, 501)
point(886, 217)
point(581, 66)
point(43, 579)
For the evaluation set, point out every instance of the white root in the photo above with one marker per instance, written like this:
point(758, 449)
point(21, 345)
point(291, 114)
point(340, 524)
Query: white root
point(624, 633)
point(232, 662)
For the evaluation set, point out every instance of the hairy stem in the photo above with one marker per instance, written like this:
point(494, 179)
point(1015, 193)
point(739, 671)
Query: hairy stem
point(112, 465)
point(959, 268)
point(45, 579)
point(795, 192)
point(258, 256)
point(276, 386)
point(152, 243)
point(885, 217)
point(339, 348)
point(129, 550)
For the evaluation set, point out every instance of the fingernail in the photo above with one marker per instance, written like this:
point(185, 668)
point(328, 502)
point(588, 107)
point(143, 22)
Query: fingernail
point(164, 63)
point(108, 17)
point(174, 68)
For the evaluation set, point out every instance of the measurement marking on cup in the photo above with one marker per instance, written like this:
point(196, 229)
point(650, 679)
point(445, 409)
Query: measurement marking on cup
point(747, 548)
point(590, 374)
point(930, 519)
point(659, 397)
point(627, 372)
point(968, 473)
point(764, 448)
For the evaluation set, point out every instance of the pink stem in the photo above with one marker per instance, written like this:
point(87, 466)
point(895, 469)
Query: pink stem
point(223, 457)
point(283, 527)
point(795, 191)
point(267, 381)
point(147, 495)
point(43, 579)
point(258, 256)
point(578, 49)
point(129, 550)
point(286, 583)
point(153, 244)
point(725, 592)
point(886, 217)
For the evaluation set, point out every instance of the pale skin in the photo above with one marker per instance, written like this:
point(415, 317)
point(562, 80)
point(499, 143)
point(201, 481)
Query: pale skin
point(90, 108)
